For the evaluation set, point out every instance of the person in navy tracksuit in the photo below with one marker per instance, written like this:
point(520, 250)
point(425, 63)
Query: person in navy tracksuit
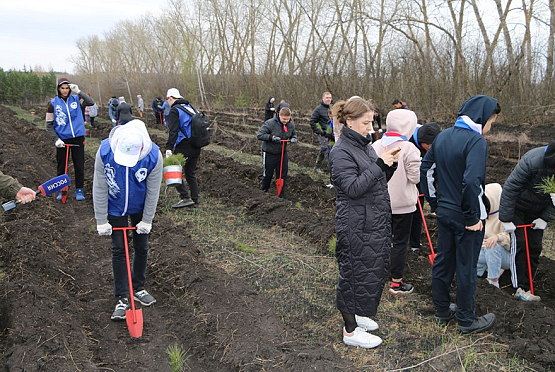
point(453, 180)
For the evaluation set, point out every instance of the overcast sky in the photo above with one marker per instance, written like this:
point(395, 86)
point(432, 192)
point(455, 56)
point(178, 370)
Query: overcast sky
point(44, 32)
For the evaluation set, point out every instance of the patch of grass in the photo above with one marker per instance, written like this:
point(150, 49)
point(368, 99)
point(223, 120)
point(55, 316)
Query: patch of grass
point(178, 357)
point(331, 245)
point(244, 247)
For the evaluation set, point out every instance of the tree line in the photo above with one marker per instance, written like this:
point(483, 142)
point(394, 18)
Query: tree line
point(433, 54)
point(26, 87)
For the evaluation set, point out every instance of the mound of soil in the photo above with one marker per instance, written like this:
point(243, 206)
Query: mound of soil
point(57, 290)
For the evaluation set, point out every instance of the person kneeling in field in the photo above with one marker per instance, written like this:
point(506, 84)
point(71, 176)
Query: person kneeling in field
point(127, 176)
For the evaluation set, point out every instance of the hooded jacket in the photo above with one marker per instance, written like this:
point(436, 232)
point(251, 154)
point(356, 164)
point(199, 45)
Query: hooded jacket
point(400, 125)
point(493, 225)
point(362, 223)
point(123, 191)
point(269, 109)
point(274, 127)
point(453, 171)
point(520, 191)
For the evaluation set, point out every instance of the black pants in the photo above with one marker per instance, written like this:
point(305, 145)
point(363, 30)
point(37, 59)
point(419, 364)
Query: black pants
point(189, 170)
point(416, 227)
point(140, 256)
point(457, 251)
point(400, 229)
point(92, 121)
point(534, 247)
point(271, 165)
point(77, 154)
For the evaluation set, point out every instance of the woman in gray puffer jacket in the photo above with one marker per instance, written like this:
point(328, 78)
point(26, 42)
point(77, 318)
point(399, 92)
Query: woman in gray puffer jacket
point(362, 220)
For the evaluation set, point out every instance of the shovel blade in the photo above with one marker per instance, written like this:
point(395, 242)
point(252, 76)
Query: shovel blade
point(279, 185)
point(431, 257)
point(134, 319)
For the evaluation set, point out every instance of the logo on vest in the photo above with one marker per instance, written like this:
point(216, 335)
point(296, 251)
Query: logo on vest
point(141, 174)
point(73, 105)
point(110, 173)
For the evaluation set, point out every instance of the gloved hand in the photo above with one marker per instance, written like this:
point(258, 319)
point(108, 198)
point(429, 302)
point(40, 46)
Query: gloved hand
point(380, 131)
point(168, 153)
point(508, 227)
point(276, 139)
point(294, 140)
point(553, 198)
point(539, 224)
point(104, 229)
point(74, 88)
point(59, 143)
point(143, 228)
point(114, 121)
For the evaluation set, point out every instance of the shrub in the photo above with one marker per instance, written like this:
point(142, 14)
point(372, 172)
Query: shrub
point(175, 159)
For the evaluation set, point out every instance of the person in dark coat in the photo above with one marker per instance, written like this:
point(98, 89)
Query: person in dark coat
point(272, 132)
point(452, 177)
point(362, 220)
point(156, 103)
point(523, 203)
point(319, 125)
point(125, 112)
point(422, 138)
point(269, 109)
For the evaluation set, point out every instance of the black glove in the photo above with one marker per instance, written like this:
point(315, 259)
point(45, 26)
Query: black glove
point(276, 139)
point(294, 140)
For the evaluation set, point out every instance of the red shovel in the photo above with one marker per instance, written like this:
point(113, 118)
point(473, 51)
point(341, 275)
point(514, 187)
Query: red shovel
point(133, 317)
point(65, 189)
point(528, 254)
point(433, 254)
point(279, 181)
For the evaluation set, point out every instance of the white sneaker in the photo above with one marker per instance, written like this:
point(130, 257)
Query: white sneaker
point(494, 283)
point(366, 323)
point(361, 338)
point(526, 296)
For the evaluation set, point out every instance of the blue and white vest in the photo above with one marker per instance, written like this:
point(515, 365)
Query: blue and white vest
point(68, 117)
point(126, 186)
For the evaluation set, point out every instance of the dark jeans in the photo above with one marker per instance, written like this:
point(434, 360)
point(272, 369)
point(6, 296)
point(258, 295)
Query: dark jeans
point(77, 154)
point(458, 250)
point(534, 247)
point(416, 227)
point(140, 256)
point(271, 165)
point(189, 170)
point(92, 121)
point(400, 229)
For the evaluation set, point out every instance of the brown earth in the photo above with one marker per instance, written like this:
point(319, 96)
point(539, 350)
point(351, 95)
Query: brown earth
point(57, 285)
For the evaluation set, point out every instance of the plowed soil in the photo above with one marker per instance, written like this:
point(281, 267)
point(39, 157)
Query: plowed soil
point(57, 293)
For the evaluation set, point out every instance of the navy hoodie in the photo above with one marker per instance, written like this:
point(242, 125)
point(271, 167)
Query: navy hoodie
point(453, 172)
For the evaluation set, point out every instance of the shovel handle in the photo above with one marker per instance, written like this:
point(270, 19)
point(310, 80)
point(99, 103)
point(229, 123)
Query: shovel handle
point(528, 254)
point(129, 277)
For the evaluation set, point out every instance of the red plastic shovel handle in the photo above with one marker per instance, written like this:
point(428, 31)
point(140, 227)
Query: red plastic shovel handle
point(528, 254)
point(432, 255)
point(135, 323)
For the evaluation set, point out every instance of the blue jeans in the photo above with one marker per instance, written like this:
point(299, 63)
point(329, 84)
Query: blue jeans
point(140, 256)
point(493, 260)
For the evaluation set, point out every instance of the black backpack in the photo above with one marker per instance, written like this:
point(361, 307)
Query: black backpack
point(200, 127)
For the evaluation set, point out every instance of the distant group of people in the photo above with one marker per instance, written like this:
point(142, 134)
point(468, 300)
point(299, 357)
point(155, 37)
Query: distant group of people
point(379, 181)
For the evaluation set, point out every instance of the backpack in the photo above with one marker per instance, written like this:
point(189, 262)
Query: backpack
point(200, 127)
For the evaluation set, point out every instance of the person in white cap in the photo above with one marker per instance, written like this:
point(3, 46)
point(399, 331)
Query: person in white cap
point(126, 186)
point(179, 124)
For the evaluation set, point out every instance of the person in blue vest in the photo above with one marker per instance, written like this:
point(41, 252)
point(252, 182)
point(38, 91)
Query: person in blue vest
point(65, 124)
point(179, 125)
point(126, 186)
point(452, 177)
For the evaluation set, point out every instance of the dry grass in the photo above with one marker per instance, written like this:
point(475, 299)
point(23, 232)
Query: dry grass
point(301, 287)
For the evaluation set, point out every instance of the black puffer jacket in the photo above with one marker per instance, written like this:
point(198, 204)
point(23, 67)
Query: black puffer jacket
point(319, 118)
point(520, 190)
point(271, 128)
point(362, 223)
